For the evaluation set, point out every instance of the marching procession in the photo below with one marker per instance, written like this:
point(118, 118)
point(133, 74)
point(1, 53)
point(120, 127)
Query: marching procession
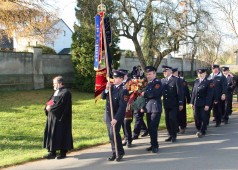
point(147, 95)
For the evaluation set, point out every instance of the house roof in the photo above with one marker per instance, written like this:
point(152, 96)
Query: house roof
point(65, 51)
point(58, 20)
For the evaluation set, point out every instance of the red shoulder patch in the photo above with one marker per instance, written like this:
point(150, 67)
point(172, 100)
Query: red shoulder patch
point(212, 85)
point(126, 98)
point(157, 86)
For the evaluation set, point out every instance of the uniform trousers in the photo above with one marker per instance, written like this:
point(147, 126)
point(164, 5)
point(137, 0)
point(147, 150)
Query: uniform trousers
point(139, 124)
point(227, 107)
point(118, 138)
point(200, 117)
point(217, 111)
point(127, 130)
point(171, 121)
point(182, 117)
point(153, 120)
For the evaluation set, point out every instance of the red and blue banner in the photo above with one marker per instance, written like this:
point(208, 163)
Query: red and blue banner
point(99, 55)
point(97, 42)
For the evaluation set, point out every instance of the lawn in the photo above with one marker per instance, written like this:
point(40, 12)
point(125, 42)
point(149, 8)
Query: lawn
point(22, 122)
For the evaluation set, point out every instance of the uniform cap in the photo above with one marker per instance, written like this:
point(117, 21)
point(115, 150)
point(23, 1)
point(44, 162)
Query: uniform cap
point(215, 66)
point(118, 73)
point(201, 70)
point(149, 69)
point(166, 68)
point(174, 69)
point(123, 70)
point(225, 68)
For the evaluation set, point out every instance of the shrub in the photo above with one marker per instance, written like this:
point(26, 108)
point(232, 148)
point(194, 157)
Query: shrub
point(46, 49)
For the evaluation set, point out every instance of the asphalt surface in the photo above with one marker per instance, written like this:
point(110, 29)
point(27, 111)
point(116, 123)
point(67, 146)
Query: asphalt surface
point(217, 150)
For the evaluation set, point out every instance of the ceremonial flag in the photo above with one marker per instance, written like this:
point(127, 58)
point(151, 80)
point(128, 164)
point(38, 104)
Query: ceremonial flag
point(99, 55)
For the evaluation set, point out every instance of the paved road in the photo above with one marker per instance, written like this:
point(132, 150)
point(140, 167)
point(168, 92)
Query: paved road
point(217, 150)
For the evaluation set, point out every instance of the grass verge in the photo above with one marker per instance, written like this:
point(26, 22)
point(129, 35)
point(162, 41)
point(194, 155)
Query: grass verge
point(22, 122)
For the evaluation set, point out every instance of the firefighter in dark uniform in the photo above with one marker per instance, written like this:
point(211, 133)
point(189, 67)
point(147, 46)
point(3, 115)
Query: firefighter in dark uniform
point(202, 94)
point(220, 83)
point(119, 102)
point(182, 115)
point(227, 104)
point(173, 101)
point(126, 124)
point(153, 107)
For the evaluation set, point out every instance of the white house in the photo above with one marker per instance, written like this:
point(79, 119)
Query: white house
point(60, 39)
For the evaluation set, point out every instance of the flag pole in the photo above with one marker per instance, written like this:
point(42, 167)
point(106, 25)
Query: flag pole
point(108, 79)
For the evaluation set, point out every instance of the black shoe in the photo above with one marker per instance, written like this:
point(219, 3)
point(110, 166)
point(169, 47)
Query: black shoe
point(199, 134)
point(149, 148)
point(49, 156)
point(112, 158)
point(155, 150)
point(145, 134)
point(129, 145)
point(134, 137)
point(217, 124)
point(203, 133)
point(168, 139)
point(124, 143)
point(61, 156)
point(182, 131)
point(173, 139)
point(226, 122)
point(119, 158)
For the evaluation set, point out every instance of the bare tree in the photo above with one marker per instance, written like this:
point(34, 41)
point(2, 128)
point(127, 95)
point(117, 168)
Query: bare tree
point(210, 47)
point(229, 11)
point(26, 16)
point(162, 24)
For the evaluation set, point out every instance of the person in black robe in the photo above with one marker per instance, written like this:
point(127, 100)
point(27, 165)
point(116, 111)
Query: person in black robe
point(58, 129)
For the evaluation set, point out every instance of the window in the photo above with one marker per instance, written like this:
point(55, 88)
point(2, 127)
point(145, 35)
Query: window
point(64, 33)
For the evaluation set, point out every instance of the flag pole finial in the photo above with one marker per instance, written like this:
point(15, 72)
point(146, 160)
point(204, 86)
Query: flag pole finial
point(101, 8)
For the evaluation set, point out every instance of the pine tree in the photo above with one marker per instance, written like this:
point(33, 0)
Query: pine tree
point(84, 42)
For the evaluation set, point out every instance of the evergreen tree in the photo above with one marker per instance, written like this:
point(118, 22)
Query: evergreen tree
point(84, 42)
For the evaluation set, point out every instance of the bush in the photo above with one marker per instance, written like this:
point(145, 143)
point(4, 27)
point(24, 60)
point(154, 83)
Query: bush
point(84, 84)
point(46, 49)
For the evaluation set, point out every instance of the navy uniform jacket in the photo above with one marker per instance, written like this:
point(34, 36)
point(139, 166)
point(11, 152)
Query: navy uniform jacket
point(220, 83)
point(230, 84)
point(120, 98)
point(152, 94)
point(173, 94)
point(202, 93)
point(187, 97)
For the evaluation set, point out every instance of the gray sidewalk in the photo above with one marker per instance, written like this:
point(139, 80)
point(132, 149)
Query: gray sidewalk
point(217, 150)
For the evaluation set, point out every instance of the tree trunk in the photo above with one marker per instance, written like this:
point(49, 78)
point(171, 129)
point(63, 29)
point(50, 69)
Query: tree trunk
point(139, 53)
point(194, 51)
point(148, 36)
point(158, 61)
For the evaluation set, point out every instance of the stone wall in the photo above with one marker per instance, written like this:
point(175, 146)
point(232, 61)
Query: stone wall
point(183, 65)
point(33, 70)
